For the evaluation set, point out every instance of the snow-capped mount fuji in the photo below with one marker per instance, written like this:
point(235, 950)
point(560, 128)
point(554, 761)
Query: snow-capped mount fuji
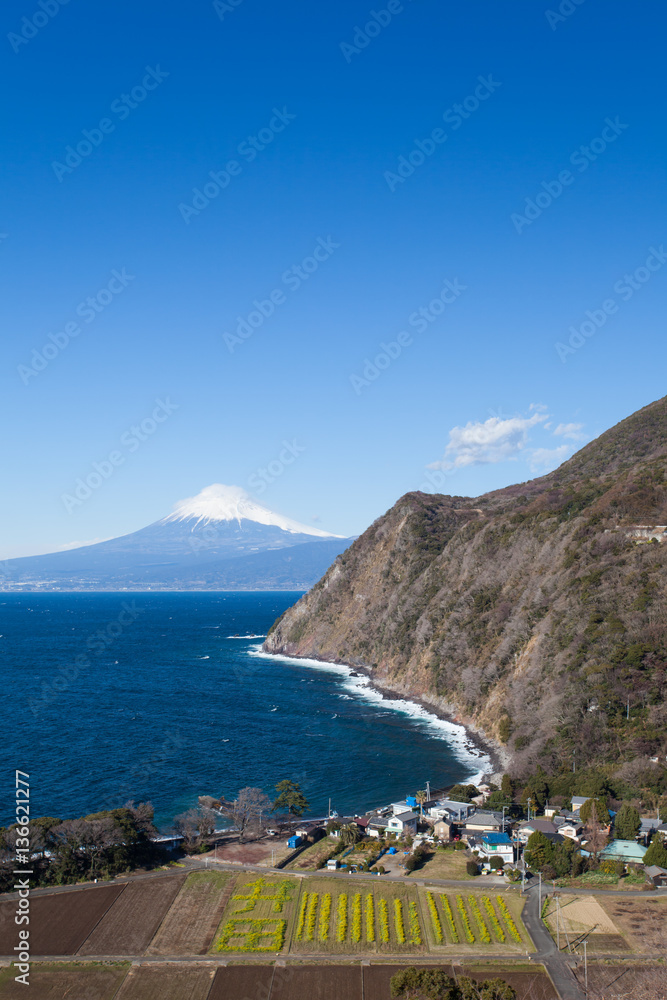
point(220, 539)
point(232, 503)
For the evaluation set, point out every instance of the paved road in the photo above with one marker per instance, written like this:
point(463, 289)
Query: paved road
point(556, 963)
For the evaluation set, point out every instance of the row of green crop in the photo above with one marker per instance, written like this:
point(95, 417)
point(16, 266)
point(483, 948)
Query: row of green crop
point(435, 918)
point(508, 919)
point(481, 930)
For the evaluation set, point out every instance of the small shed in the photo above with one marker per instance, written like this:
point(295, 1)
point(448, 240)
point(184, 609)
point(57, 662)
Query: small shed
point(294, 841)
point(656, 875)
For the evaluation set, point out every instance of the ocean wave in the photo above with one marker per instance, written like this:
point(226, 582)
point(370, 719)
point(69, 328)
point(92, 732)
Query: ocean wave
point(453, 733)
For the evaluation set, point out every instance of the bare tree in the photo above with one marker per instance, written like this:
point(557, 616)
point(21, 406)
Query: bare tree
point(247, 809)
point(195, 825)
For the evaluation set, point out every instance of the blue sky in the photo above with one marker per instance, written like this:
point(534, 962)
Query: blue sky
point(364, 197)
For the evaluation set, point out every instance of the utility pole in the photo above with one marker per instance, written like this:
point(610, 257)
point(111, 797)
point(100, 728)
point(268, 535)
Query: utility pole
point(627, 711)
point(574, 765)
point(428, 791)
point(504, 808)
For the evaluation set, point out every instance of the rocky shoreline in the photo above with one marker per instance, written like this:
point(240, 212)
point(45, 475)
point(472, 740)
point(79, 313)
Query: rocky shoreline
point(498, 755)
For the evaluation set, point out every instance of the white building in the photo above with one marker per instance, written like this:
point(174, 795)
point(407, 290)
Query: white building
point(403, 823)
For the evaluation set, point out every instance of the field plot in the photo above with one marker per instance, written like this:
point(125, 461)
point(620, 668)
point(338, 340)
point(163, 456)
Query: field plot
point(331, 982)
point(444, 864)
point(190, 924)
point(309, 859)
point(642, 922)
point(529, 985)
point(65, 981)
point(465, 919)
point(357, 917)
point(59, 922)
point(626, 982)
point(257, 916)
point(129, 925)
point(237, 981)
point(170, 981)
point(582, 918)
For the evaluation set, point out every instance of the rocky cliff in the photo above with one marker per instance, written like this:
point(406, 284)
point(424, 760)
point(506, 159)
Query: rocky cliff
point(536, 612)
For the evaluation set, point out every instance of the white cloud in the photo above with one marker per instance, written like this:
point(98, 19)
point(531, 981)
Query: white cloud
point(547, 459)
point(571, 431)
point(493, 440)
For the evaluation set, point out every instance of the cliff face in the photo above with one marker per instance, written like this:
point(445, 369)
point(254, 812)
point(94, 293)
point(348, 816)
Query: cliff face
point(531, 612)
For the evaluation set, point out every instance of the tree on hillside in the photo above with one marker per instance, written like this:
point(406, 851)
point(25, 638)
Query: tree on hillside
point(627, 822)
point(247, 809)
point(657, 852)
point(421, 798)
point(539, 850)
point(507, 786)
point(291, 798)
point(597, 806)
point(596, 836)
point(462, 793)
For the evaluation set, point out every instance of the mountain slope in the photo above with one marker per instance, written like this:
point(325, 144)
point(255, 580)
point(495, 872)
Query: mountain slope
point(220, 539)
point(530, 611)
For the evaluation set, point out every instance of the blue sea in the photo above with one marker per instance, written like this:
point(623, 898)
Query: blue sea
point(167, 696)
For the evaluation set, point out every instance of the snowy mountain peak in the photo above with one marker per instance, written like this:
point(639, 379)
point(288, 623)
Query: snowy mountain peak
point(232, 503)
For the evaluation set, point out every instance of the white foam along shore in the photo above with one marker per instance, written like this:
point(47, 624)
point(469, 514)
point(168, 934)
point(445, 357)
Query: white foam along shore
point(454, 734)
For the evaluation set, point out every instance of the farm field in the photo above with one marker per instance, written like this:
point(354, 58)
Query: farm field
point(446, 864)
point(332, 982)
point(194, 916)
point(170, 981)
point(308, 860)
point(532, 984)
point(642, 922)
point(584, 918)
point(65, 981)
point(483, 921)
point(258, 915)
point(129, 925)
point(626, 981)
point(237, 981)
point(59, 922)
point(348, 917)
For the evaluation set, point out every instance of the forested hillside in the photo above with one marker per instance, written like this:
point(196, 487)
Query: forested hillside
point(535, 612)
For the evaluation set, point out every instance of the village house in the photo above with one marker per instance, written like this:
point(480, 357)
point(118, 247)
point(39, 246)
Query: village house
point(442, 829)
point(377, 827)
point(482, 822)
point(450, 810)
point(402, 824)
point(628, 851)
point(524, 830)
point(656, 875)
point(496, 845)
point(578, 801)
point(573, 831)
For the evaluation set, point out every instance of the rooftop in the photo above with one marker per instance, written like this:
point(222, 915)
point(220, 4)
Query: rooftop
point(628, 850)
point(496, 838)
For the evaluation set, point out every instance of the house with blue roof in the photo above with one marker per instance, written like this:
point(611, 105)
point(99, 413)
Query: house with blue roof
point(496, 845)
